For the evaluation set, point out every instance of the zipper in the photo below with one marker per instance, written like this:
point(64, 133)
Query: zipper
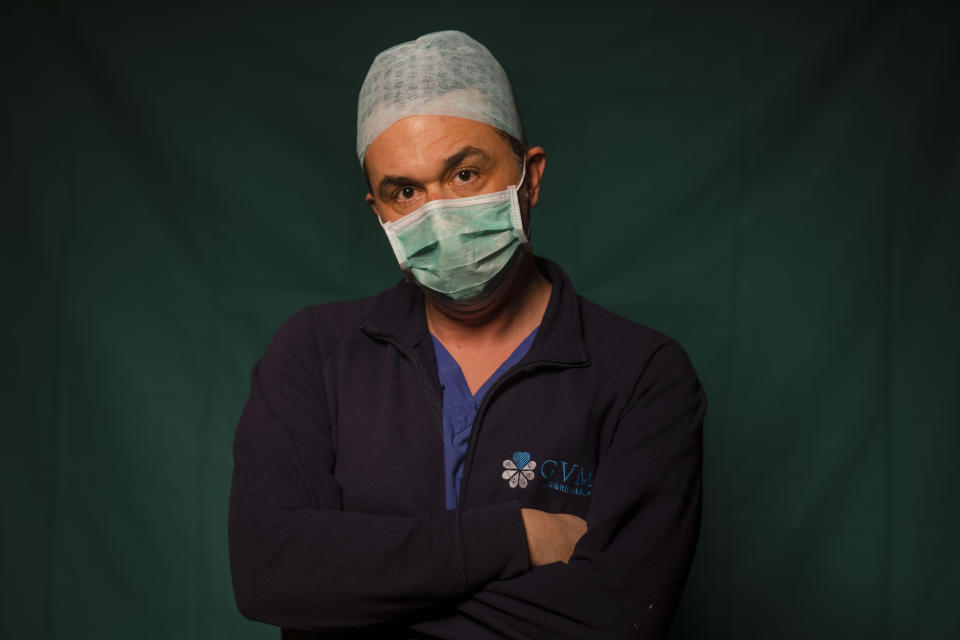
point(411, 357)
point(474, 428)
point(418, 367)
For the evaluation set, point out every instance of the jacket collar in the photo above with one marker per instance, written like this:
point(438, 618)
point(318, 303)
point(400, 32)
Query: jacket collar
point(399, 317)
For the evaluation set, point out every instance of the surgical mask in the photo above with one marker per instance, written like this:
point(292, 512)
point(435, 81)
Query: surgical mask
point(460, 248)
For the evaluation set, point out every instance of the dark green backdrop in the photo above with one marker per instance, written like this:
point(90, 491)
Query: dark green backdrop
point(774, 186)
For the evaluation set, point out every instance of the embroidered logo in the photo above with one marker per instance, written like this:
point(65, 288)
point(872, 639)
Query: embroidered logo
point(565, 477)
point(519, 469)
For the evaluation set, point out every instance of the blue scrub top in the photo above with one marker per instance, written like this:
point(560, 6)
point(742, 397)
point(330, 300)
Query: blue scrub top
point(460, 408)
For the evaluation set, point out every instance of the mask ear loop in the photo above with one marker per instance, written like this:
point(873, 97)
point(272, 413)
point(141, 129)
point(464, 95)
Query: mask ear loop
point(518, 223)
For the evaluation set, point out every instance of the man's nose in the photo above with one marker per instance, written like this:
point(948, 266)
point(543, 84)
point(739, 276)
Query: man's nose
point(438, 191)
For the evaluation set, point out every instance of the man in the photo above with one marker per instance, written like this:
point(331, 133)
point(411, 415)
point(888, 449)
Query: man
point(477, 452)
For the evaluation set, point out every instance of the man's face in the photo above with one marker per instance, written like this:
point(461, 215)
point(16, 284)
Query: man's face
point(423, 158)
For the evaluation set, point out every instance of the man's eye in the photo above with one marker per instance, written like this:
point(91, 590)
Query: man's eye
point(464, 175)
point(406, 193)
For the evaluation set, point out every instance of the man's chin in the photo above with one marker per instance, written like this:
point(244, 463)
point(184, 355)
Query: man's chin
point(481, 305)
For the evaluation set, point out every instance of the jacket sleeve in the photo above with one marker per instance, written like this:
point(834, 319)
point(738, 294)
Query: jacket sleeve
point(297, 560)
point(627, 572)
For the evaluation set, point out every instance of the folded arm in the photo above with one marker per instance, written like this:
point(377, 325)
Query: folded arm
point(627, 572)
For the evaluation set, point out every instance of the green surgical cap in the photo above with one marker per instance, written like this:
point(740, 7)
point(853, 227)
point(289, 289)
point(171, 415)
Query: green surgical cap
point(444, 73)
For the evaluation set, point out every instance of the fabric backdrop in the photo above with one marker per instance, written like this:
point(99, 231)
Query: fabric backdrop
point(774, 185)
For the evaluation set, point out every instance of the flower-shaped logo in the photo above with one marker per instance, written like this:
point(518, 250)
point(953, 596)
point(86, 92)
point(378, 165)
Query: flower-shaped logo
point(519, 469)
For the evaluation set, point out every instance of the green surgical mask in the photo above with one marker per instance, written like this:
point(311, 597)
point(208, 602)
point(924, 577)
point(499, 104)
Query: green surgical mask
point(460, 248)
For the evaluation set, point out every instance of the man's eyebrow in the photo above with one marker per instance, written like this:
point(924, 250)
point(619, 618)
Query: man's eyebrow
point(461, 155)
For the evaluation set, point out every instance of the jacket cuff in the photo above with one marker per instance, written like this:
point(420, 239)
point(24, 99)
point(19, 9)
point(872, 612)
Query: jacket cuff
point(494, 544)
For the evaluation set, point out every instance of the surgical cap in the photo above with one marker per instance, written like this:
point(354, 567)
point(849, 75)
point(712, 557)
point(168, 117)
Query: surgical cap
point(443, 73)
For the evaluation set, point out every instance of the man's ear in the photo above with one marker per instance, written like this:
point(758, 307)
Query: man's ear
point(373, 204)
point(536, 163)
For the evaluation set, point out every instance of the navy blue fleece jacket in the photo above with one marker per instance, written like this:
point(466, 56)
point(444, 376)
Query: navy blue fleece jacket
point(337, 521)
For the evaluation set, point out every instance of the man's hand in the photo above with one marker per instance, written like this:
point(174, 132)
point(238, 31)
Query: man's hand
point(551, 536)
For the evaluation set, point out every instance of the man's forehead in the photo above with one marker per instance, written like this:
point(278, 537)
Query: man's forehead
point(424, 143)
